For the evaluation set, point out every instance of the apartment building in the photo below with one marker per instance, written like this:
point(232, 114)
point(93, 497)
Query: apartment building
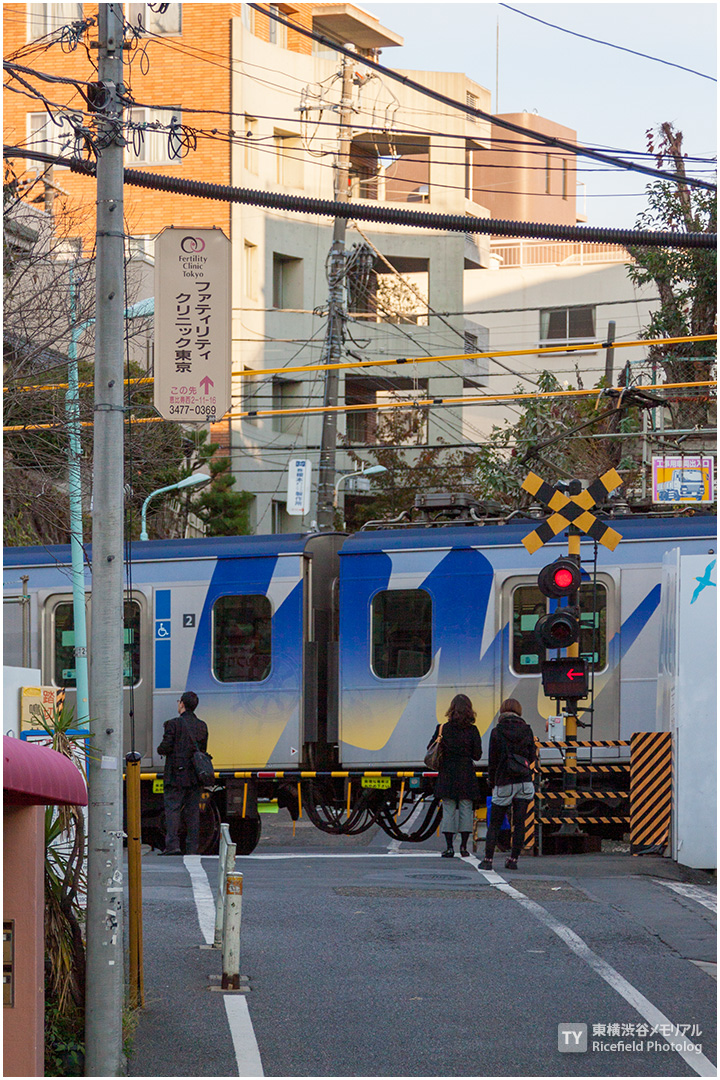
point(226, 94)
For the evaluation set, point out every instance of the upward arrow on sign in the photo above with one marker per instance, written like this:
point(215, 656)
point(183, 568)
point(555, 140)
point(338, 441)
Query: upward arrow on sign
point(572, 510)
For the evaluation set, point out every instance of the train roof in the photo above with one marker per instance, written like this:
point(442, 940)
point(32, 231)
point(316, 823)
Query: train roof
point(700, 526)
point(211, 547)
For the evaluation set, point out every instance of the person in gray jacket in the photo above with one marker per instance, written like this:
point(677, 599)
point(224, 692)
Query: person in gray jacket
point(511, 756)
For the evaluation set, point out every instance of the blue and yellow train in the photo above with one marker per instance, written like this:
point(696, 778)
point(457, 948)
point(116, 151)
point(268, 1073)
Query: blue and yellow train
point(327, 652)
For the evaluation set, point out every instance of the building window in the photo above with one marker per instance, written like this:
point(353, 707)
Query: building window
point(472, 101)
point(250, 393)
point(287, 281)
point(251, 151)
point(289, 154)
point(287, 394)
point(251, 271)
point(404, 424)
point(529, 604)
point(564, 178)
point(52, 136)
point(151, 137)
point(165, 20)
point(547, 174)
point(248, 18)
point(140, 247)
point(277, 32)
point(401, 622)
point(242, 638)
point(43, 19)
point(563, 325)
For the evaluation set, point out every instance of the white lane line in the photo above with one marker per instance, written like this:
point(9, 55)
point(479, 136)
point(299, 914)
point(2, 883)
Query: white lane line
point(394, 845)
point(247, 1053)
point(688, 1051)
point(203, 896)
point(337, 855)
point(706, 897)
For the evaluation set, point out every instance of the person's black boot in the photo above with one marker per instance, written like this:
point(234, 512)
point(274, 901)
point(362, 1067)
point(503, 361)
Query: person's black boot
point(463, 844)
point(449, 851)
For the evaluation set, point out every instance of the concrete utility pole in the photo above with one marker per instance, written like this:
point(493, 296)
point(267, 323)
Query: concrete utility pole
point(105, 968)
point(336, 308)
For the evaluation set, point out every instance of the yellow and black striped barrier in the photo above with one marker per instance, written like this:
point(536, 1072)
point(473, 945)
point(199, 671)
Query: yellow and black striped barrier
point(650, 792)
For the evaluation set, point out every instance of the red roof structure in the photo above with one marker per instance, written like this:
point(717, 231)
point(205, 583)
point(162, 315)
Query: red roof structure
point(39, 776)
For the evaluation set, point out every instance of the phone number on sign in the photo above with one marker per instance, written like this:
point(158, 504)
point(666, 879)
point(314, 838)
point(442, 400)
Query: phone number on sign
point(199, 410)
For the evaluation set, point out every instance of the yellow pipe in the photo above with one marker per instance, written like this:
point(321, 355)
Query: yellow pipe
point(402, 794)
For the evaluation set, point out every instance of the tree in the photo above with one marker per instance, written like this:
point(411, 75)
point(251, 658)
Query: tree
point(686, 279)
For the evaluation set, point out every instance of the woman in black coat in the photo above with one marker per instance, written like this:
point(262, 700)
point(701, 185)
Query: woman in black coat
point(456, 785)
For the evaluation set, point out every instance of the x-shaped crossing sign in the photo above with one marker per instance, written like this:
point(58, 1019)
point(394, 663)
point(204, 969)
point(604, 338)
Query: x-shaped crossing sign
point(572, 510)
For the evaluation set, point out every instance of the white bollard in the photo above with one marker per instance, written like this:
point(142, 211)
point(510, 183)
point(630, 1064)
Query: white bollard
point(226, 865)
point(231, 933)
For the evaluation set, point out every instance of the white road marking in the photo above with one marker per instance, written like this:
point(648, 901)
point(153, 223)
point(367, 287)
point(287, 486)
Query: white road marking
point(383, 854)
point(203, 896)
point(245, 1044)
point(394, 845)
point(688, 1051)
point(247, 1053)
point(706, 897)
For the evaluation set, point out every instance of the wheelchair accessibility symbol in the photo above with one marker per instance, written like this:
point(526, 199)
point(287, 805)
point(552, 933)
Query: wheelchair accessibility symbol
point(162, 629)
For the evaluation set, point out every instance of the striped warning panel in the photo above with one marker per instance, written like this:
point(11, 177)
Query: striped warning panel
point(583, 768)
point(529, 842)
point(560, 819)
point(579, 742)
point(586, 794)
point(650, 791)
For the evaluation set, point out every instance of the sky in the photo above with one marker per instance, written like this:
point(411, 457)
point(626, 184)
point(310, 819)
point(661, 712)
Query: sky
point(609, 97)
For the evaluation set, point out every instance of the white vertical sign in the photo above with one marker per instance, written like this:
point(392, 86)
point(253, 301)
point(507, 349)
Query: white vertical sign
point(192, 325)
point(298, 493)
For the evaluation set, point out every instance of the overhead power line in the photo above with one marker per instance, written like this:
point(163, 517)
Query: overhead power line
point(534, 136)
point(385, 215)
point(608, 44)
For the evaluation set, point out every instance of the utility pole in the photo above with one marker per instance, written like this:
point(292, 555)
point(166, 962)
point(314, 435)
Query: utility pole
point(336, 308)
point(105, 955)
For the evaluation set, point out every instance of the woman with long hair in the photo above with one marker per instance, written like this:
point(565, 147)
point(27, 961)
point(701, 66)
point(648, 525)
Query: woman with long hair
point(457, 785)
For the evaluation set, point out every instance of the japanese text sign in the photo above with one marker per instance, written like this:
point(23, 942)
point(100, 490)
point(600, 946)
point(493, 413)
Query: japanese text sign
point(192, 325)
point(298, 495)
point(683, 479)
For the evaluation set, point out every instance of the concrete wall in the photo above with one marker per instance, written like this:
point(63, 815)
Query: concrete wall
point(24, 902)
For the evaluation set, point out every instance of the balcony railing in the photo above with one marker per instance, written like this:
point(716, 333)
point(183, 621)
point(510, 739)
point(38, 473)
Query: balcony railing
point(538, 253)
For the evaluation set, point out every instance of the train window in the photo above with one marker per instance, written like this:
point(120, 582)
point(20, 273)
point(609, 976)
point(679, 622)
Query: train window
point(242, 634)
point(402, 633)
point(529, 604)
point(64, 669)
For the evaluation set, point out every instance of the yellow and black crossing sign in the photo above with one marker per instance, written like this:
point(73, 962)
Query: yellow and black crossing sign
point(572, 510)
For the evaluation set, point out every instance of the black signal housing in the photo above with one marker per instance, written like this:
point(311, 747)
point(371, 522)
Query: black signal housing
point(559, 578)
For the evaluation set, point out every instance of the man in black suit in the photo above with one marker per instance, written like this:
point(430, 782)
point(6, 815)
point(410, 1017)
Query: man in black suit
point(182, 736)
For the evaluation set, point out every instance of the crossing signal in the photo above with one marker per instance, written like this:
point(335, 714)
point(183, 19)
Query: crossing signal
point(559, 578)
point(559, 629)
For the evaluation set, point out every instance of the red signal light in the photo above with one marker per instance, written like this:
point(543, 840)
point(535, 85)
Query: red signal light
point(563, 578)
point(560, 578)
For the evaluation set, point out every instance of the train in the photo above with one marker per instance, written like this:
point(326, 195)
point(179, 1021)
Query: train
point(321, 657)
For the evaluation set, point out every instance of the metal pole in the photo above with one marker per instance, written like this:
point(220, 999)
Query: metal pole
point(72, 408)
point(105, 981)
point(609, 353)
point(134, 851)
point(231, 933)
point(336, 310)
point(226, 865)
point(25, 601)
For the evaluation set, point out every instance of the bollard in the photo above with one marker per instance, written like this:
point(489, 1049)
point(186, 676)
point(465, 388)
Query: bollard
point(231, 933)
point(226, 865)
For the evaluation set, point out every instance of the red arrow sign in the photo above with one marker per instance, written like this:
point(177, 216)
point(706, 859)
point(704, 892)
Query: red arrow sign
point(206, 383)
point(575, 674)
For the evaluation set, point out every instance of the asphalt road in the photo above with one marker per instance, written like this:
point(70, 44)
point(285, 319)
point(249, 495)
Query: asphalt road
point(369, 958)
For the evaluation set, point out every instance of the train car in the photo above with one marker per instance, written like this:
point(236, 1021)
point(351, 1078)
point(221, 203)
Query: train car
point(329, 652)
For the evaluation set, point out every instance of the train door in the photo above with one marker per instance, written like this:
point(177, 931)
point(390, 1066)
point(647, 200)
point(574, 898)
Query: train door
point(58, 662)
point(521, 606)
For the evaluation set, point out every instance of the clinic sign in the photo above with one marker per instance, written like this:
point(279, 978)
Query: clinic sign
point(299, 479)
point(192, 325)
point(683, 478)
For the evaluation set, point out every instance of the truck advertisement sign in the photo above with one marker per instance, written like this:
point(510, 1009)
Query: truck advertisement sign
point(683, 479)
